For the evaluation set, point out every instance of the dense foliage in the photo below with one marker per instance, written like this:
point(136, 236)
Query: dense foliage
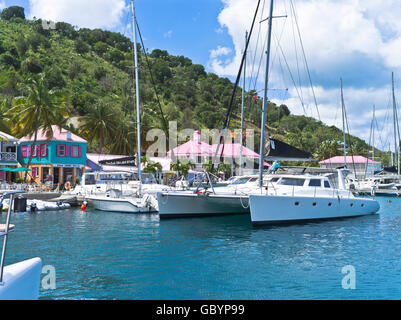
point(93, 68)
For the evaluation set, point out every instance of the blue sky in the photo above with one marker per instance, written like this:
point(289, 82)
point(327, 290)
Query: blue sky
point(357, 40)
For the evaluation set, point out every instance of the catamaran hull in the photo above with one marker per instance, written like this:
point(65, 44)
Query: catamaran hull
point(196, 205)
point(118, 205)
point(21, 280)
point(284, 209)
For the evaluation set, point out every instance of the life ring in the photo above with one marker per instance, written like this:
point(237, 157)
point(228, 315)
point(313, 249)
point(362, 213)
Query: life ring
point(67, 186)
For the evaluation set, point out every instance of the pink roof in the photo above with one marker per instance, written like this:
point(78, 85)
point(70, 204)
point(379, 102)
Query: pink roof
point(357, 159)
point(59, 134)
point(234, 150)
point(193, 147)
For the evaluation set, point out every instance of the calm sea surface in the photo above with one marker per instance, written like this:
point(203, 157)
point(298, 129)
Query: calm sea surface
point(100, 255)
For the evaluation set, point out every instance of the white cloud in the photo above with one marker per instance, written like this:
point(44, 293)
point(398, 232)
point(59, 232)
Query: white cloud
point(3, 5)
point(168, 34)
point(220, 51)
point(83, 13)
point(354, 39)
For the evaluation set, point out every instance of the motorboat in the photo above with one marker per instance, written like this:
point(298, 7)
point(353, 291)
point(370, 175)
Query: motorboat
point(113, 201)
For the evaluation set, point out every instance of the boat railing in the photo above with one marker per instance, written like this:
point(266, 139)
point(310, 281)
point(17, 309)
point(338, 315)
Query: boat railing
point(6, 228)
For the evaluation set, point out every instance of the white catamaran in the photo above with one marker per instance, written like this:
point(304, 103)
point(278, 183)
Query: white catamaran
point(302, 198)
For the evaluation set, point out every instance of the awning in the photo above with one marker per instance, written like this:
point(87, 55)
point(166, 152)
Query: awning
point(20, 169)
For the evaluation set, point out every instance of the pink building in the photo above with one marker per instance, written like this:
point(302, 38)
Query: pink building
point(359, 165)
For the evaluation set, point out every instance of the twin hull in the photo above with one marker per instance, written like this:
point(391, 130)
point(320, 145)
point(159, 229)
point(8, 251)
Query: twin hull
point(174, 205)
point(278, 209)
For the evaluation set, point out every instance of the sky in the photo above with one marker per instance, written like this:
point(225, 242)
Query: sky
point(356, 40)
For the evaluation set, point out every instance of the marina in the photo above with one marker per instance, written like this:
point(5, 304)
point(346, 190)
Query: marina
point(247, 173)
point(104, 255)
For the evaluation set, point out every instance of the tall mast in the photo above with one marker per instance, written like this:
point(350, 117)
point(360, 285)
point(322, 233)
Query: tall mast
point(373, 134)
point(262, 127)
point(395, 122)
point(138, 119)
point(343, 115)
point(242, 109)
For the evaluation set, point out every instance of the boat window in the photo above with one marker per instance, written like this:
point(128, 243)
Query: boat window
point(253, 179)
point(315, 183)
point(291, 182)
point(241, 181)
point(326, 184)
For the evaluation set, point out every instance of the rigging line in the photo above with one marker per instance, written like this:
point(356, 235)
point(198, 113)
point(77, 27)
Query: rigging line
point(296, 59)
point(292, 78)
point(306, 62)
point(153, 82)
point(230, 106)
point(257, 43)
point(349, 139)
point(370, 142)
point(260, 63)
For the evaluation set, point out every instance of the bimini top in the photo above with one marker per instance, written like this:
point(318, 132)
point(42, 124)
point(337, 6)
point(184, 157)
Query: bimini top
point(59, 134)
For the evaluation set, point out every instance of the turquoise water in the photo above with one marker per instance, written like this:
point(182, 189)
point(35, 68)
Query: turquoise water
point(100, 255)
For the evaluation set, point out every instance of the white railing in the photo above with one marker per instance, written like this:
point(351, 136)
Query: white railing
point(8, 156)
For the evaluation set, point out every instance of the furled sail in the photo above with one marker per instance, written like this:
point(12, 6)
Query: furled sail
point(126, 161)
point(278, 150)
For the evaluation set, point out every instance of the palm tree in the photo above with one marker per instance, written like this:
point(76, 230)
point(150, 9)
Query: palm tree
point(100, 123)
point(3, 118)
point(39, 108)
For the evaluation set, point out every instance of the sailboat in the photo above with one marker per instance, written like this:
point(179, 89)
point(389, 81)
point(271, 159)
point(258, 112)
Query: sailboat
point(387, 182)
point(303, 197)
point(114, 202)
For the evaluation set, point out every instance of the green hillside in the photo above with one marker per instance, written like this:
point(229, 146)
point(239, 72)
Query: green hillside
point(94, 68)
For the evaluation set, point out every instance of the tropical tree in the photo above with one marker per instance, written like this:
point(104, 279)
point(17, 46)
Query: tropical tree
point(182, 168)
point(39, 108)
point(3, 118)
point(100, 123)
point(328, 149)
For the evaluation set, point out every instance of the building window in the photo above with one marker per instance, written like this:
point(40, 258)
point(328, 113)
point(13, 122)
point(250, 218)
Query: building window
point(75, 151)
point(62, 150)
point(35, 172)
point(24, 151)
point(43, 150)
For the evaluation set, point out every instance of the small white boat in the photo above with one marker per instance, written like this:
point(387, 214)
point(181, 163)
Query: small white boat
point(114, 202)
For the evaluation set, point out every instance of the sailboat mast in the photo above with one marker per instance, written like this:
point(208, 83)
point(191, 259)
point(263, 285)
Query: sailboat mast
point(262, 129)
point(242, 109)
point(395, 119)
point(138, 118)
point(343, 116)
point(373, 134)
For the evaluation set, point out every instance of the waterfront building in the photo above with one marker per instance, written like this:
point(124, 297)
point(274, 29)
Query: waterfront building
point(56, 159)
point(360, 166)
point(8, 156)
